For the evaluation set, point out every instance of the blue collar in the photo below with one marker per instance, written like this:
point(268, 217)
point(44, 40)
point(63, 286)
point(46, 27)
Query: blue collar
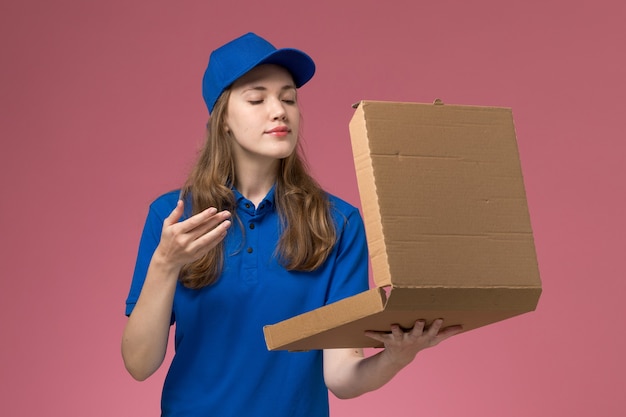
point(242, 203)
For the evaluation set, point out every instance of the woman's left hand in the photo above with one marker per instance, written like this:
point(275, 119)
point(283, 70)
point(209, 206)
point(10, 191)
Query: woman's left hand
point(401, 346)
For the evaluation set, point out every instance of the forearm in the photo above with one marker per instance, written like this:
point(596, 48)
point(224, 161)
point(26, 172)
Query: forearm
point(348, 374)
point(144, 342)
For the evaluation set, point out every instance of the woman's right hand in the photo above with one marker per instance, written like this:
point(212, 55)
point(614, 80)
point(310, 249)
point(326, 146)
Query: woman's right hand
point(146, 333)
point(185, 241)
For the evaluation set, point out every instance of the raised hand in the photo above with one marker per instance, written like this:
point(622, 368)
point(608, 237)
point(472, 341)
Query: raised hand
point(185, 241)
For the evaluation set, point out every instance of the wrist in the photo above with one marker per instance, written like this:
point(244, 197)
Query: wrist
point(161, 263)
point(395, 362)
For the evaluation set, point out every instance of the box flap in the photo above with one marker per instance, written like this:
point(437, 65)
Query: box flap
point(328, 324)
point(442, 195)
point(343, 323)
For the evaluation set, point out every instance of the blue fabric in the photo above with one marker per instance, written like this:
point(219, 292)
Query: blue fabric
point(222, 366)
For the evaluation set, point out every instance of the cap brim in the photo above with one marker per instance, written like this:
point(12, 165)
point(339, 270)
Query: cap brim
point(299, 64)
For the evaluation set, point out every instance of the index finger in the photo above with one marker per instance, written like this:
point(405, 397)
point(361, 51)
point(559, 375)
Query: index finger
point(202, 218)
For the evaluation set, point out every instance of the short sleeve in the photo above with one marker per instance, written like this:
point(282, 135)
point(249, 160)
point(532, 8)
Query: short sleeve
point(350, 275)
point(150, 238)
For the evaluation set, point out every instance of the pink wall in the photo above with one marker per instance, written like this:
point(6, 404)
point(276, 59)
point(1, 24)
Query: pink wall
point(101, 111)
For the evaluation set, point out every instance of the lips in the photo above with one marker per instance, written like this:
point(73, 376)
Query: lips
point(278, 129)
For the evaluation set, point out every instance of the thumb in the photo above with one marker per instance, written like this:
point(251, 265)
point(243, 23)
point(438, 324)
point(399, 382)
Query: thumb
point(175, 214)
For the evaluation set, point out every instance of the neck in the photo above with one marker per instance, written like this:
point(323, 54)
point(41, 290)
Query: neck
point(254, 182)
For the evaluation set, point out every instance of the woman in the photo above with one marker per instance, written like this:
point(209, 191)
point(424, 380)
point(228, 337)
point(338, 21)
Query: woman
point(251, 240)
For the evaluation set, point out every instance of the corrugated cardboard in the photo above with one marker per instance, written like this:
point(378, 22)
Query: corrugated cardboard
point(447, 225)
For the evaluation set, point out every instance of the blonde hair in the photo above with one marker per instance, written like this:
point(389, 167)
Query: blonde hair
point(307, 229)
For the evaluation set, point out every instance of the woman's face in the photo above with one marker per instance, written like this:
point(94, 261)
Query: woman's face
point(263, 116)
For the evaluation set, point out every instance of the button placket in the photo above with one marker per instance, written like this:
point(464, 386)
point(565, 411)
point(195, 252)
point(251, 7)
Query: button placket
point(250, 257)
point(252, 241)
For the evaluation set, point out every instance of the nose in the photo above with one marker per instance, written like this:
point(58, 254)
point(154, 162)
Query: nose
point(277, 110)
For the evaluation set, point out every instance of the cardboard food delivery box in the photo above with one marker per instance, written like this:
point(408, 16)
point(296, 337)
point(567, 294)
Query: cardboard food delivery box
point(447, 225)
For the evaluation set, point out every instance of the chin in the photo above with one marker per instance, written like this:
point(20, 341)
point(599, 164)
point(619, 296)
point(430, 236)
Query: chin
point(284, 153)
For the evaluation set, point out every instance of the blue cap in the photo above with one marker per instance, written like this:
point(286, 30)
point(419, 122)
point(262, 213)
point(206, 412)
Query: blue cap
point(237, 57)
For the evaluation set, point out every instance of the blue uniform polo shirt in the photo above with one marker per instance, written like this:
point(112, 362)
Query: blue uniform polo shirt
point(222, 367)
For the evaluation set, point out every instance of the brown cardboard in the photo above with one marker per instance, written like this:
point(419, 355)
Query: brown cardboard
point(447, 225)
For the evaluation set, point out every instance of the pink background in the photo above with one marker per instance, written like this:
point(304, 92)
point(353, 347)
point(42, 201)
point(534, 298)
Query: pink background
point(101, 111)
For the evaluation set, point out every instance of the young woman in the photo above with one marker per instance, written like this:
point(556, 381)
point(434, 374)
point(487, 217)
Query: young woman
point(251, 240)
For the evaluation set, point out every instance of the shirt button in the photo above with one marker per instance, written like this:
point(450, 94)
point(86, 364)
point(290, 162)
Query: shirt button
point(249, 250)
point(247, 205)
point(251, 226)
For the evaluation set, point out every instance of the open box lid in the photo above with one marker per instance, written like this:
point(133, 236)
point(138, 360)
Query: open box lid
point(442, 195)
point(447, 225)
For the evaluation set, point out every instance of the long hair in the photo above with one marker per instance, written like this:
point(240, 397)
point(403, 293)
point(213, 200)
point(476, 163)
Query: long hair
point(307, 229)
